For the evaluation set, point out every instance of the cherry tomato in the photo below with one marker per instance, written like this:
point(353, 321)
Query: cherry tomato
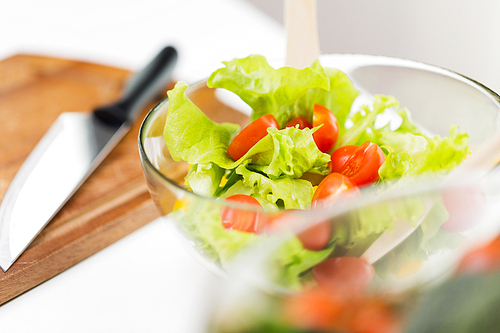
point(316, 237)
point(344, 276)
point(332, 187)
point(313, 310)
point(362, 167)
point(301, 121)
point(483, 259)
point(466, 208)
point(239, 219)
point(327, 135)
point(340, 156)
point(373, 316)
point(250, 135)
point(313, 238)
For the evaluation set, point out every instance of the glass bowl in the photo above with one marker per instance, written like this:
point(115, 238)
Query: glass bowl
point(436, 97)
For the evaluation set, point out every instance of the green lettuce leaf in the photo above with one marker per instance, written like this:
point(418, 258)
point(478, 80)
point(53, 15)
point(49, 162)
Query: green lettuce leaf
point(364, 122)
point(408, 155)
point(338, 99)
point(407, 124)
point(444, 154)
point(291, 260)
point(294, 153)
point(413, 145)
point(204, 179)
point(293, 193)
point(191, 136)
point(265, 89)
point(200, 221)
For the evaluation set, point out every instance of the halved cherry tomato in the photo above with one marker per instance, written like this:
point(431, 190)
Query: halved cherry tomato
point(239, 219)
point(250, 135)
point(344, 276)
point(483, 259)
point(340, 156)
point(316, 237)
point(332, 187)
point(327, 135)
point(315, 310)
point(313, 238)
point(301, 121)
point(362, 167)
point(374, 316)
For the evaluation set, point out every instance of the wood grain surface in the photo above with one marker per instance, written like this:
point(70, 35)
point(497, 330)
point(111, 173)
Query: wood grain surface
point(113, 202)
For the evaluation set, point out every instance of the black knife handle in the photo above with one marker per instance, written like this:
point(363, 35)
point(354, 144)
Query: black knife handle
point(143, 87)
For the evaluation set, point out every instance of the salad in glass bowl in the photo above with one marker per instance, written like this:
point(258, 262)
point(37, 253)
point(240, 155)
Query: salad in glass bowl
point(256, 152)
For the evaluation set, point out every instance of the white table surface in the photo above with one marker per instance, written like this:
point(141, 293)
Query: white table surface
point(145, 282)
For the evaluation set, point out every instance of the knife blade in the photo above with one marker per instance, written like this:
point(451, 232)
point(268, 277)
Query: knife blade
point(68, 153)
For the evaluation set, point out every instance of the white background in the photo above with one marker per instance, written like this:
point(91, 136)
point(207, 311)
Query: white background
point(146, 282)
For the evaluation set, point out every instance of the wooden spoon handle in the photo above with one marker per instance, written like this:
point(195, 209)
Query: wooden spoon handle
point(302, 33)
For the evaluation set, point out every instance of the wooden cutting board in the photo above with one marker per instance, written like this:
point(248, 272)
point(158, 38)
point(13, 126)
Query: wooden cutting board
point(113, 202)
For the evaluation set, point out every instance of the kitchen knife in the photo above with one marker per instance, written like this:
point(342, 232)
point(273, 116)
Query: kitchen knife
point(68, 153)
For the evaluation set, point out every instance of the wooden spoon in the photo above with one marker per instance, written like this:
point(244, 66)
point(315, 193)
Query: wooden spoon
point(302, 33)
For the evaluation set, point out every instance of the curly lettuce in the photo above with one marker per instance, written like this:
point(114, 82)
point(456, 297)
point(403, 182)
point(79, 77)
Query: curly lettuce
point(191, 136)
point(412, 155)
point(267, 90)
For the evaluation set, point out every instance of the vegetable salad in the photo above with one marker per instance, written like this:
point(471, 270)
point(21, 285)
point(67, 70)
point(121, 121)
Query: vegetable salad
point(305, 147)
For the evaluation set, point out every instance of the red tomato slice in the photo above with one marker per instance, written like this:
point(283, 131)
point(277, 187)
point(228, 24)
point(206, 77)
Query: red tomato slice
point(239, 219)
point(344, 276)
point(374, 316)
point(362, 167)
point(333, 186)
point(250, 135)
point(327, 135)
point(340, 156)
point(483, 259)
point(313, 309)
point(301, 121)
point(316, 237)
